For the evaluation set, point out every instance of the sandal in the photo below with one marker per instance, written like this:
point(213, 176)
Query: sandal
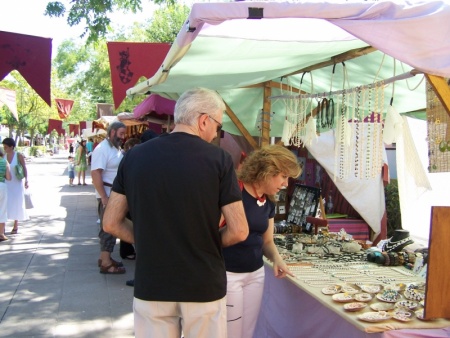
point(14, 231)
point(113, 262)
point(112, 270)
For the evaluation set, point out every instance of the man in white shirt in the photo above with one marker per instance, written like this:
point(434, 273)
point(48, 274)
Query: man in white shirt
point(106, 158)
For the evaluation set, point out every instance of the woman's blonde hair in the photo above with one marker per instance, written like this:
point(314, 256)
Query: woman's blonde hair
point(269, 161)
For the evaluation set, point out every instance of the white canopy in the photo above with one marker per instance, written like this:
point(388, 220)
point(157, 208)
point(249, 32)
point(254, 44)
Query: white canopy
point(231, 47)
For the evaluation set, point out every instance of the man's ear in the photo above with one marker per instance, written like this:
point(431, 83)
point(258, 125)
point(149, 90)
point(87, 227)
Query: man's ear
point(202, 122)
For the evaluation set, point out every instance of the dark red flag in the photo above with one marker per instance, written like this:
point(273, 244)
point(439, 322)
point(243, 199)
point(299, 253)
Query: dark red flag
point(55, 125)
point(131, 60)
point(83, 125)
point(64, 107)
point(74, 129)
point(31, 56)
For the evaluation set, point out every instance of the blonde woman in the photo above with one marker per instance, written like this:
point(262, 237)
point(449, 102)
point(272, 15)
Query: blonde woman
point(262, 175)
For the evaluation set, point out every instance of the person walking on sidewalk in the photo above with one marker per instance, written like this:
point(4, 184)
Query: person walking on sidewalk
point(15, 187)
point(71, 170)
point(105, 161)
point(176, 186)
point(81, 162)
point(5, 175)
point(89, 150)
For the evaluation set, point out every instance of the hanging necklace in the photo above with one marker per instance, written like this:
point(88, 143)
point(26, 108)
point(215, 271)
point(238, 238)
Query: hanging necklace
point(260, 200)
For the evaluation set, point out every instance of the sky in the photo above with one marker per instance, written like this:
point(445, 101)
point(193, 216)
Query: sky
point(27, 17)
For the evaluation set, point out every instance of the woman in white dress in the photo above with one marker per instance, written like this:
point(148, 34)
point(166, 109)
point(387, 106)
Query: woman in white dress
point(5, 175)
point(16, 201)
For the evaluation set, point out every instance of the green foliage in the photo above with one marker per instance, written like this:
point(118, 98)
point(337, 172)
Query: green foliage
point(33, 112)
point(35, 151)
point(166, 23)
point(392, 199)
point(94, 14)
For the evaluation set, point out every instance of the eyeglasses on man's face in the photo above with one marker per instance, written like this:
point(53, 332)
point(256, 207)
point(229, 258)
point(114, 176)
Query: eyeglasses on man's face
point(219, 125)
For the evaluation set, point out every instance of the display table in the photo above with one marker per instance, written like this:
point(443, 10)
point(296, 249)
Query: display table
point(292, 309)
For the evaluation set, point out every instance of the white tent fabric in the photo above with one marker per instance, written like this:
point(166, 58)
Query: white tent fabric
point(414, 33)
point(417, 199)
point(223, 48)
point(366, 196)
point(87, 133)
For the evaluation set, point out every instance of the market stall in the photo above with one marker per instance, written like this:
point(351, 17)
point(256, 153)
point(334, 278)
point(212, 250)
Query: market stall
point(134, 127)
point(291, 308)
point(368, 58)
point(157, 111)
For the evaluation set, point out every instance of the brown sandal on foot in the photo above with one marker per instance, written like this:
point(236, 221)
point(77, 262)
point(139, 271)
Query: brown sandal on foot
point(14, 231)
point(113, 262)
point(112, 270)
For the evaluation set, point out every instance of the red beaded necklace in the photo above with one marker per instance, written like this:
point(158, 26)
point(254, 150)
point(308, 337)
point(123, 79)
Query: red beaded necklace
point(260, 200)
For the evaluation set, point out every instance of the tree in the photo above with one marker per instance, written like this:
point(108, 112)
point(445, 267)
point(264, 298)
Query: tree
point(95, 13)
point(166, 23)
point(32, 111)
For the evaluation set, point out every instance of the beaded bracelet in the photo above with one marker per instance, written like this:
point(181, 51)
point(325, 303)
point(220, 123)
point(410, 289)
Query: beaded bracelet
point(394, 258)
point(387, 260)
point(391, 258)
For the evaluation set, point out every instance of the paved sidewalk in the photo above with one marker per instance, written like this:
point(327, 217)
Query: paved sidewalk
point(50, 285)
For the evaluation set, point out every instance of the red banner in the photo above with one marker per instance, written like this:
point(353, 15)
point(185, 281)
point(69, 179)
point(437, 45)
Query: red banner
point(74, 129)
point(131, 60)
point(55, 125)
point(31, 56)
point(64, 107)
point(83, 125)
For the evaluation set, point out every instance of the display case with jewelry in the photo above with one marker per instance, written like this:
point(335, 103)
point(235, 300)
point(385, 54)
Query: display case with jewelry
point(304, 202)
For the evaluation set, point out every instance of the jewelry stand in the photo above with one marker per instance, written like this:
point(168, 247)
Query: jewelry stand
point(398, 241)
point(437, 297)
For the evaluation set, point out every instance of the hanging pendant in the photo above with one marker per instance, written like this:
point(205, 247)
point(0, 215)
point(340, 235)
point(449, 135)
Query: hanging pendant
point(261, 202)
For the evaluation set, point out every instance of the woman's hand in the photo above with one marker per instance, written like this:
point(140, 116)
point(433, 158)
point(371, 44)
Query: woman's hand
point(280, 269)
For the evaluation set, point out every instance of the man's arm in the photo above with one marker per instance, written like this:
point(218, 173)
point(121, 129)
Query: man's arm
point(236, 229)
point(97, 181)
point(114, 218)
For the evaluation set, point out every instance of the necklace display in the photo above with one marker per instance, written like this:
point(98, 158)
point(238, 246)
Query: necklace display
point(397, 246)
point(438, 133)
point(259, 200)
